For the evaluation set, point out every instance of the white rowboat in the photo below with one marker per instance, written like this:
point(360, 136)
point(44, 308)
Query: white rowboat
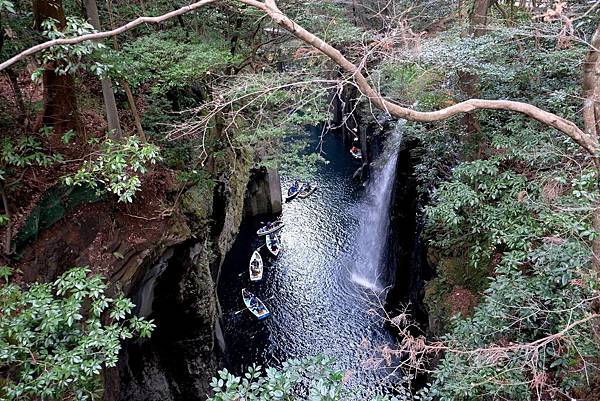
point(255, 305)
point(256, 267)
point(273, 244)
point(306, 191)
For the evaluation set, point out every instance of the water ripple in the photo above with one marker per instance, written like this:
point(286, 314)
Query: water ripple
point(316, 307)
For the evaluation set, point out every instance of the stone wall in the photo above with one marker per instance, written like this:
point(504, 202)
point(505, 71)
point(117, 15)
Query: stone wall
point(263, 194)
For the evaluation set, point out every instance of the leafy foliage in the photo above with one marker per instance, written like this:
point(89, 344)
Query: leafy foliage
point(24, 152)
point(7, 6)
point(56, 338)
point(117, 167)
point(171, 61)
point(67, 59)
point(510, 63)
point(413, 83)
point(15, 155)
point(313, 378)
point(523, 304)
point(509, 221)
point(329, 20)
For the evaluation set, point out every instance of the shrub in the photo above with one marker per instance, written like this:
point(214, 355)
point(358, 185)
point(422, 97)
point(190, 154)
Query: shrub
point(56, 338)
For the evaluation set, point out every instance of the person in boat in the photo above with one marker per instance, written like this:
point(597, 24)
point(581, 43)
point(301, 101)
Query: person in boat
point(354, 149)
point(253, 301)
point(270, 225)
point(296, 184)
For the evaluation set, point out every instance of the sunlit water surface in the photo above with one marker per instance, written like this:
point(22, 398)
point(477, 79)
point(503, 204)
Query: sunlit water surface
point(316, 305)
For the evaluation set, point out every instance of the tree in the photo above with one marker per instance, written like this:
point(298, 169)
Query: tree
point(587, 140)
point(478, 17)
point(312, 378)
point(56, 338)
point(60, 105)
point(591, 117)
point(130, 98)
point(8, 6)
point(270, 8)
point(112, 115)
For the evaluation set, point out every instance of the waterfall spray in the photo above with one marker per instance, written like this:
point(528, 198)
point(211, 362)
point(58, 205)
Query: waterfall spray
point(374, 220)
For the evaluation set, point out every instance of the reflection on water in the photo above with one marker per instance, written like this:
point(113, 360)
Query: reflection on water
point(316, 307)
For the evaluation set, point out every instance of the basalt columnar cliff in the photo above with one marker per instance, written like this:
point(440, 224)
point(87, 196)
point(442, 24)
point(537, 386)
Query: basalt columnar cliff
point(166, 260)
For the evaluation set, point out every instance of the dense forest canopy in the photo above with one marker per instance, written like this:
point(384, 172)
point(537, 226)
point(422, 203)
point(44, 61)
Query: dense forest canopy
point(130, 103)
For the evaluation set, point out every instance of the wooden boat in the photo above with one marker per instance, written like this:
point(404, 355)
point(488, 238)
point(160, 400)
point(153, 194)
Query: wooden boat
point(275, 226)
point(256, 267)
point(255, 305)
point(356, 152)
point(306, 190)
point(292, 192)
point(273, 244)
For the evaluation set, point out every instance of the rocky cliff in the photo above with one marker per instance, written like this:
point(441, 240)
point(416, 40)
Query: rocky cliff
point(406, 251)
point(178, 290)
point(167, 259)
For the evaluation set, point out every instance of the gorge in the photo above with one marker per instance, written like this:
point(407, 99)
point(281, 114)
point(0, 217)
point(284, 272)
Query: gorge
point(450, 250)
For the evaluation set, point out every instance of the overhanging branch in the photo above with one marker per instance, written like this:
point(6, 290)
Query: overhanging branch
point(587, 142)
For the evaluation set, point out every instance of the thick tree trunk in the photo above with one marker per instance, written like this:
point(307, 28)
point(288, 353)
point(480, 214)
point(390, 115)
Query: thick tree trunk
point(479, 17)
point(110, 105)
point(591, 119)
point(60, 105)
point(130, 99)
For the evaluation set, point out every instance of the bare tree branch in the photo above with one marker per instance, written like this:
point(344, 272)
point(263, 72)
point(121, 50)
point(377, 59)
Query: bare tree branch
point(587, 142)
point(104, 34)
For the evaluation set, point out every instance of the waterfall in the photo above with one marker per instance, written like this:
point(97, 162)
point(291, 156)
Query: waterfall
point(374, 219)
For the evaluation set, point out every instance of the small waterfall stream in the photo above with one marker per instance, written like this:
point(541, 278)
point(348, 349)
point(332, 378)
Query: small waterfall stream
point(374, 220)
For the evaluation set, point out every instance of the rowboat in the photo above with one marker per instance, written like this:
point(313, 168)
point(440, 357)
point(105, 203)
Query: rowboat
point(273, 244)
point(256, 267)
point(306, 190)
point(356, 153)
point(292, 192)
point(255, 305)
point(270, 228)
